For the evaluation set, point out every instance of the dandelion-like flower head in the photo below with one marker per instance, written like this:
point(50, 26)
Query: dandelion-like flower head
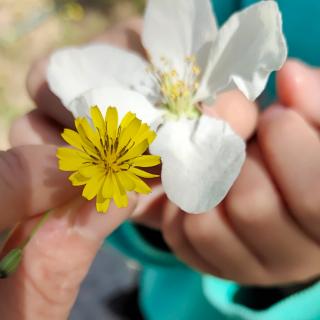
point(106, 157)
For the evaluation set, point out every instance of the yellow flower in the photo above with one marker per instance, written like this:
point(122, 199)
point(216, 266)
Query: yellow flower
point(106, 157)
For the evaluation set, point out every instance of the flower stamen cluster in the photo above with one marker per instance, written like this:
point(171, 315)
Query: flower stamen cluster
point(177, 90)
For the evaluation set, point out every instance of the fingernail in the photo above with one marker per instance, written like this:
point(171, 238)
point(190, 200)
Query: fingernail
point(301, 72)
point(296, 63)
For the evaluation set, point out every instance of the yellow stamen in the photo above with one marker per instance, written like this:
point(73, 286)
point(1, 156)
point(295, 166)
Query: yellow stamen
point(178, 91)
point(196, 70)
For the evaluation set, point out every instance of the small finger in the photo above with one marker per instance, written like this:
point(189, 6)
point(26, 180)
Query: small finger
point(45, 100)
point(237, 110)
point(258, 214)
point(125, 35)
point(213, 239)
point(298, 88)
point(291, 148)
point(175, 237)
point(35, 128)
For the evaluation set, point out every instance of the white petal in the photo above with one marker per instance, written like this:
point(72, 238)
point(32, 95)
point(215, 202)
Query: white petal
point(124, 100)
point(249, 46)
point(175, 29)
point(200, 161)
point(74, 70)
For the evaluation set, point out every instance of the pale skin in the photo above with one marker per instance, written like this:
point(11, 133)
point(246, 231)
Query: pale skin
point(266, 231)
point(58, 257)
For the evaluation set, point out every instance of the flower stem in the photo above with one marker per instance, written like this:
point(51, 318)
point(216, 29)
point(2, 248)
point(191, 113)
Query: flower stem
point(34, 230)
point(10, 262)
point(6, 235)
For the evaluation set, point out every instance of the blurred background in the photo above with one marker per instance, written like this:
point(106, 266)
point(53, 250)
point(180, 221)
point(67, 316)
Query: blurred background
point(30, 29)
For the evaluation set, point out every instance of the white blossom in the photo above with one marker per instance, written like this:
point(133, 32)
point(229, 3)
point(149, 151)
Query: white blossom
point(190, 62)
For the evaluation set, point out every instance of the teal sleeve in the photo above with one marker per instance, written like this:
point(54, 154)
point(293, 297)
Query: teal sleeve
point(129, 241)
point(226, 297)
point(169, 290)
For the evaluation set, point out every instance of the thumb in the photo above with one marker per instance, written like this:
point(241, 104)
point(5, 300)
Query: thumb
point(31, 183)
point(234, 108)
point(299, 88)
point(57, 259)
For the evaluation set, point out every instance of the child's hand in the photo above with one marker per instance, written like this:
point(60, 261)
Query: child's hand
point(267, 231)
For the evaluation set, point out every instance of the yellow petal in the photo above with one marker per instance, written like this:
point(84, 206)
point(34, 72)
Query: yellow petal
point(142, 173)
point(89, 137)
point(119, 195)
point(117, 184)
point(129, 116)
point(102, 204)
point(145, 161)
point(112, 122)
point(132, 128)
point(107, 189)
point(136, 151)
point(91, 170)
point(121, 200)
point(92, 187)
point(89, 131)
point(87, 145)
point(145, 133)
point(98, 120)
point(128, 133)
point(69, 165)
point(82, 133)
point(71, 159)
point(78, 179)
point(69, 153)
point(140, 185)
point(127, 183)
point(72, 137)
